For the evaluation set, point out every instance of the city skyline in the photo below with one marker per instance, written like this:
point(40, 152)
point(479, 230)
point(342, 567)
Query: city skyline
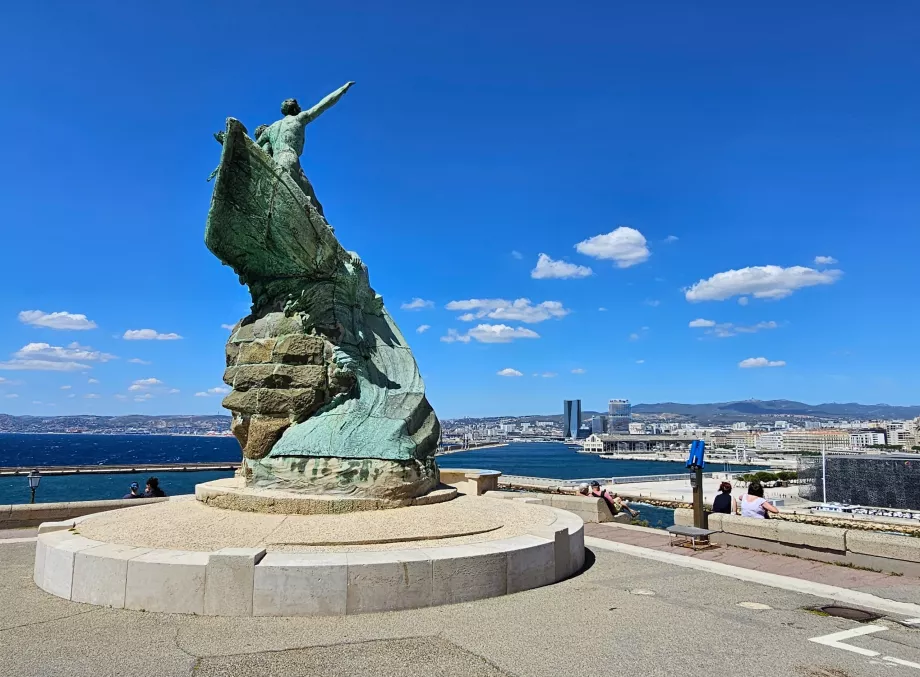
point(681, 214)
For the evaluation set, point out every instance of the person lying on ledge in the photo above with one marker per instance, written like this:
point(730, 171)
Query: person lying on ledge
point(614, 502)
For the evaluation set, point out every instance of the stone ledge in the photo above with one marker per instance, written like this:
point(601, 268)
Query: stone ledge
point(34, 514)
point(906, 548)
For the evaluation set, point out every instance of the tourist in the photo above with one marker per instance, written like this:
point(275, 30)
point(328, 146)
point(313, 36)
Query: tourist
point(582, 489)
point(135, 491)
point(724, 502)
point(753, 504)
point(153, 489)
point(615, 503)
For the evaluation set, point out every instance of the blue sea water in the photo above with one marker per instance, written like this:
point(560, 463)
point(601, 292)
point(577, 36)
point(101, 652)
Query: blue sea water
point(553, 460)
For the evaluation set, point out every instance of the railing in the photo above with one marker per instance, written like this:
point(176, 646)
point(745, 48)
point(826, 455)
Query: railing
point(509, 479)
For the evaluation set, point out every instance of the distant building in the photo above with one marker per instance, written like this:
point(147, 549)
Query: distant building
point(815, 441)
point(866, 438)
point(593, 444)
point(637, 429)
point(770, 441)
point(619, 415)
point(780, 425)
point(740, 425)
point(598, 424)
point(571, 418)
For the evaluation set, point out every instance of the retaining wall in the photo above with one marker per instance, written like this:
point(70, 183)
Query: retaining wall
point(32, 514)
point(885, 552)
point(588, 508)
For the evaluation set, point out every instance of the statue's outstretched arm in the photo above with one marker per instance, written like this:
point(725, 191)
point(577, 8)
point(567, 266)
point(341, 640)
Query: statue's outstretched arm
point(324, 105)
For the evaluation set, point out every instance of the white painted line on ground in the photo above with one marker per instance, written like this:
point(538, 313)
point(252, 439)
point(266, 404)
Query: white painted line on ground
point(7, 541)
point(900, 661)
point(836, 640)
point(862, 599)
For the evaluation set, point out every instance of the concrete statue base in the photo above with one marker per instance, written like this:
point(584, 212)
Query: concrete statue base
point(185, 556)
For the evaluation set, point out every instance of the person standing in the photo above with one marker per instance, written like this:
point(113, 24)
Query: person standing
point(724, 502)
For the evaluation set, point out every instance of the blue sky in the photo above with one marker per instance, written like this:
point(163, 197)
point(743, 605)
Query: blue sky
point(720, 136)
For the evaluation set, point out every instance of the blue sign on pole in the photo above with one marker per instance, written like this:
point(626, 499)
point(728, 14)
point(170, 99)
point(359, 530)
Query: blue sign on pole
point(695, 457)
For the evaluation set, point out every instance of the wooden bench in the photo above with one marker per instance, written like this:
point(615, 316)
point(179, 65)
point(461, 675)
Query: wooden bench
point(696, 537)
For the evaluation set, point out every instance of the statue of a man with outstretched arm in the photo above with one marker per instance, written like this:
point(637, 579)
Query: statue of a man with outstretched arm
point(284, 139)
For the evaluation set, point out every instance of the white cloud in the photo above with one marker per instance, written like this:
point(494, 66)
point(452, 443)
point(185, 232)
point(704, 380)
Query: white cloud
point(671, 239)
point(516, 254)
point(219, 390)
point(43, 365)
point(143, 398)
point(726, 329)
point(700, 322)
point(762, 282)
point(654, 303)
point(743, 301)
point(66, 387)
point(172, 391)
point(145, 384)
point(36, 401)
point(490, 333)
point(92, 380)
point(547, 374)
point(422, 328)
point(579, 370)
point(58, 320)
point(549, 269)
point(602, 309)
point(73, 352)
point(825, 260)
point(634, 337)
point(119, 396)
point(626, 246)
point(11, 396)
point(228, 327)
point(757, 362)
point(640, 361)
point(519, 310)
point(201, 394)
point(148, 335)
point(91, 396)
point(137, 360)
point(417, 304)
point(509, 372)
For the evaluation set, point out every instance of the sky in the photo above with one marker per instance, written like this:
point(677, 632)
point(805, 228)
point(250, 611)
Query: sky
point(658, 201)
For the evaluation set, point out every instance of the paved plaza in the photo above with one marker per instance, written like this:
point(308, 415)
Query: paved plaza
point(623, 614)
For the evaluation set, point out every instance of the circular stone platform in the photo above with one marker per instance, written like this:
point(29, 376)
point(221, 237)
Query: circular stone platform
point(182, 556)
point(233, 494)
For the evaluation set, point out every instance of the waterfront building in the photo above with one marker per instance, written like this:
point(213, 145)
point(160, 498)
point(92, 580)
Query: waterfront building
point(815, 440)
point(866, 438)
point(741, 438)
point(593, 445)
point(598, 424)
point(571, 418)
point(619, 415)
point(638, 428)
point(770, 441)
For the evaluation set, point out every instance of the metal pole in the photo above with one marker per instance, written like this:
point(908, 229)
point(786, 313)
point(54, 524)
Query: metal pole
point(699, 516)
point(33, 495)
point(823, 471)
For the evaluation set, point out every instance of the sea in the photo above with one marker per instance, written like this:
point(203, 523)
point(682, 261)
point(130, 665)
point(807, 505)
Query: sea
point(531, 459)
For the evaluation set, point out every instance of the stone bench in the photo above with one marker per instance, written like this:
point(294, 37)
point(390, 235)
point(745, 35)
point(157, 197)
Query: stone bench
point(470, 482)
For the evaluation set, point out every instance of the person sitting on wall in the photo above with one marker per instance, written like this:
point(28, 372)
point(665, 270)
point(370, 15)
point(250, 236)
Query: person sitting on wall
point(135, 491)
point(753, 504)
point(153, 489)
point(614, 502)
point(724, 502)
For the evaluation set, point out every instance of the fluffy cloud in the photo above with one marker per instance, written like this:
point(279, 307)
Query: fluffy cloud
point(547, 374)
point(762, 282)
point(519, 310)
point(219, 390)
point(137, 360)
point(143, 398)
point(757, 362)
point(74, 352)
point(671, 239)
point(417, 304)
point(62, 387)
point(59, 320)
point(145, 384)
point(700, 322)
point(825, 260)
point(509, 372)
point(148, 335)
point(625, 246)
point(579, 370)
point(549, 269)
point(422, 328)
point(43, 365)
point(92, 380)
point(490, 333)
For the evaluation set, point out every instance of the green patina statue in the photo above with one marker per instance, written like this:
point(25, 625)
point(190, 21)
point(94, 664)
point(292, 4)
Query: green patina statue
point(326, 395)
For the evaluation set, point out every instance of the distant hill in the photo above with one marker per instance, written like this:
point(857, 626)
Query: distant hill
point(779, 408)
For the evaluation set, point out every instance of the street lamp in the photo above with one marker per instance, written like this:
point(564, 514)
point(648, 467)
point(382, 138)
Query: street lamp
point(34, 478)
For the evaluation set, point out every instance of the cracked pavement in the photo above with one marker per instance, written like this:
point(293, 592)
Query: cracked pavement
point(633, 616)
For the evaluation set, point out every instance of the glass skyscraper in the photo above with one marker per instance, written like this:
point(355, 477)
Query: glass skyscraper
point(619, 415)
point(571, 418)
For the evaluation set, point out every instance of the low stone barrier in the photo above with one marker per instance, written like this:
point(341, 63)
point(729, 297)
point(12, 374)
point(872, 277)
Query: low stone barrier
point(891, 553)
point(32, 514)
point(589, 509)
